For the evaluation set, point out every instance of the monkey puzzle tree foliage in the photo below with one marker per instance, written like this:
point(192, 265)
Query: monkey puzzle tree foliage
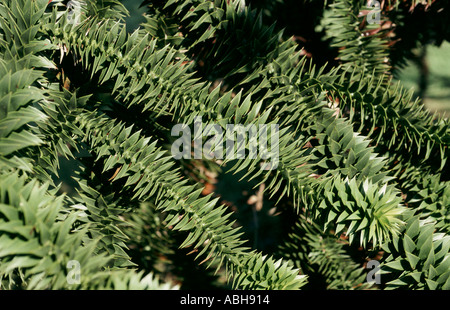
point(363, 171)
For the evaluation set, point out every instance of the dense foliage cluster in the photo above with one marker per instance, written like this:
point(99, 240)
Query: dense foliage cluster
point(362, 175)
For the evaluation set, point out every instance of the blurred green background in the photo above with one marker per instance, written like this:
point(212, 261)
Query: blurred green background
point(429, 76)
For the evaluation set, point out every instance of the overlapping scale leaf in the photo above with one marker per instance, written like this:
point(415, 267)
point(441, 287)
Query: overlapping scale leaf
point(18, 91)
point(365, 212)
point(322, 255)
point(394, 120)
point(418, 259)
point(326, 163)
point(153, 79)
point(41, 243)
point(153, 177)
point(265, 273)
point(360, 43)
point(38, 237)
